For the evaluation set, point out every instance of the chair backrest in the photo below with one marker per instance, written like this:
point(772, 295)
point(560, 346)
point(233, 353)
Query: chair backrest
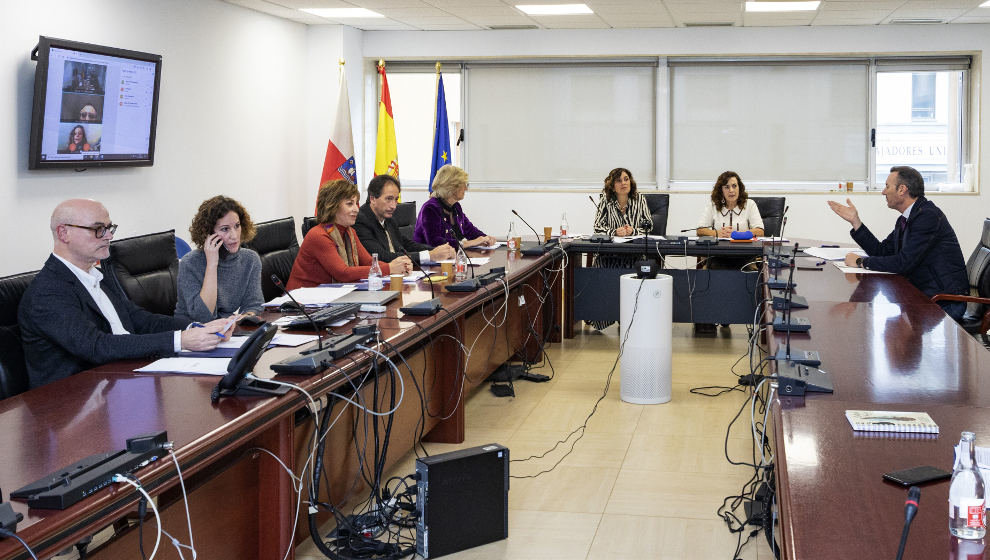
point(147, 270)
point(181, 247)
point(978, 271)
point(13, 372)
point(405, 218)
point(772, 212)
point(659, 204)
point(275, 242)
point(307, 224)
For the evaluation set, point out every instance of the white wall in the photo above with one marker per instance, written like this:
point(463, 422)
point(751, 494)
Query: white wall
point(230, 119)
point(810, 216)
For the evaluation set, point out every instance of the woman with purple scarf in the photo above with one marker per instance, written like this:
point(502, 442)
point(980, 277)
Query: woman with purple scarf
point(441, 218)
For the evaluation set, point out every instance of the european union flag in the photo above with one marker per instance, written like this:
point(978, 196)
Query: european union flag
point(441, 134)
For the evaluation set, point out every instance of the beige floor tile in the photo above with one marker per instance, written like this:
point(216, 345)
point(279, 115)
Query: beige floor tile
point(672, 494)
point(664, 538)
point(565, 412)
point(686, 454)
point(591, 450)
point(539, 535)
point(692, 415)
point(571, 489)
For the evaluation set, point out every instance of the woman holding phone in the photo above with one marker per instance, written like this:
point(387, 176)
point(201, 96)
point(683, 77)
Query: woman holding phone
point(220, 278)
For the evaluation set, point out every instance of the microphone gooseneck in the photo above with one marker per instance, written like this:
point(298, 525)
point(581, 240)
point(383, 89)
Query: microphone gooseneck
point(539, 240)
point(910, 509)
point(278, 284)
point(420, 266)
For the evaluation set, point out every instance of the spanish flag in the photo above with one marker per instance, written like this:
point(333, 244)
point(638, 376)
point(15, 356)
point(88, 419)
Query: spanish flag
point(386, 153)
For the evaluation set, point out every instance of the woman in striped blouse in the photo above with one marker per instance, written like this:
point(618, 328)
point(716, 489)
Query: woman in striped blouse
point(621, 212)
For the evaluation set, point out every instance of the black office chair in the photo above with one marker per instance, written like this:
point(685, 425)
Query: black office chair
point(976, 320)
point(405, 218)
point(13, 372)
point(307, 224)
point(146, 269)
point(772, 212)
point(659, 204)
point(275, 242)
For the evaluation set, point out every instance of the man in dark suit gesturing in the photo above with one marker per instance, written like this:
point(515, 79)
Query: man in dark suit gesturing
point(923, 247)
point(379, 233)
point(72, 318)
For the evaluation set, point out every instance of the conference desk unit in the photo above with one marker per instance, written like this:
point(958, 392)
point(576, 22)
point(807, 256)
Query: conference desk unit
point(886, 347)
point(700, 295)
point(241, 501)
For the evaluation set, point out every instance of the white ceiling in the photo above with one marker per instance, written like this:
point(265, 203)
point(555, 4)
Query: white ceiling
point(450, 15)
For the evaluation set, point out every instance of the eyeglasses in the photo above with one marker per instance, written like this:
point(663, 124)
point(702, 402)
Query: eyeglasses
point(100, 230)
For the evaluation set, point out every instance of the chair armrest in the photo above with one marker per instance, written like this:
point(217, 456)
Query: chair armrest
point(955, 297)
point(985, 323)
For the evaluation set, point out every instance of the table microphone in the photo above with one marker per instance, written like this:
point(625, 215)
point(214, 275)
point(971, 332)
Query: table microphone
point(433, 293)
point(592, 199)
point(539, 240)
point(910, 509)
point(278, 284)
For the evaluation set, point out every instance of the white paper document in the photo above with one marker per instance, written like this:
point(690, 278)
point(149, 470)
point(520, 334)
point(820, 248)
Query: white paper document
point(635, 237)
point(474, 261)
point(832, 253)
point(487, 247)
point(200, 366)
point(293, 340)
point(855, 269)
point(314, 296)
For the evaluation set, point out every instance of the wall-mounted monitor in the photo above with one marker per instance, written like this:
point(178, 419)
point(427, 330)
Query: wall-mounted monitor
point(94, 106)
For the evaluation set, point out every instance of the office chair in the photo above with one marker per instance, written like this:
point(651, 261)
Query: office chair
point(13, 371)
point(772, 212)
point(307, 224)
point(275, 242)
point(405, 218)
point(976, 320)
point(659, 205)
point(147, 270)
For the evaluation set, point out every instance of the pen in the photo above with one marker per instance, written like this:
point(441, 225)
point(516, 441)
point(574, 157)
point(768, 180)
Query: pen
point(819, 263)
point(830, 246)
point(809, 268)
point(201, 325)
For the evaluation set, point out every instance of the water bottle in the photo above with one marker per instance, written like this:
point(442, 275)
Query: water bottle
point(510, 240)
point(967, 494)
point(460, 265)
point(563, 224)
point(375, 281)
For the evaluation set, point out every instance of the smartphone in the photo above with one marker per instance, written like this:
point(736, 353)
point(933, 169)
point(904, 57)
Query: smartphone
point(916, 475)
point(224, 253)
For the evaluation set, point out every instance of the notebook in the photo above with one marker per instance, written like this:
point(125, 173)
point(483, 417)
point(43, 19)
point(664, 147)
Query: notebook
point(891, 421)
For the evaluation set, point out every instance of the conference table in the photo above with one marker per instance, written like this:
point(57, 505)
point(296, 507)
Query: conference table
point(241, 501)
point(886, 347)
point(705, 295)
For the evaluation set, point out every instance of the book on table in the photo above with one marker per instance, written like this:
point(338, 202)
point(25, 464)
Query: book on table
point(891, 421)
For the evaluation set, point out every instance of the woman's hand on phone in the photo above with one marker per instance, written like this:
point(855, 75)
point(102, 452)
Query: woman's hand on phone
point(212, 249)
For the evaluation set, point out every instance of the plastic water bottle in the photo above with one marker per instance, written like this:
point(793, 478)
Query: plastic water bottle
point(967, 494)
point(563, 224)
point(375, 281)
point(510, 241)
point(460, 264)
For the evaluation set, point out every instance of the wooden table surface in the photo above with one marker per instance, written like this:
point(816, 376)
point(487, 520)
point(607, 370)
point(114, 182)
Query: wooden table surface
point(886, 347)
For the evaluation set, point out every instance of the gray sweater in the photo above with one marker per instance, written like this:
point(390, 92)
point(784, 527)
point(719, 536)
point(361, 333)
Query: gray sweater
point(238, 285)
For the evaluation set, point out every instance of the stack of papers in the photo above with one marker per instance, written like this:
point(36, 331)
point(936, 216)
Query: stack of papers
point(634, 237)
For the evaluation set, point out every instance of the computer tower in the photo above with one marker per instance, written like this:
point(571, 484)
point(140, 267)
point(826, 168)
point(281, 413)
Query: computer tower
point(462, 499)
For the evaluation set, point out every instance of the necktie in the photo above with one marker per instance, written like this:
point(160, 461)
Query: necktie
point(901, 227)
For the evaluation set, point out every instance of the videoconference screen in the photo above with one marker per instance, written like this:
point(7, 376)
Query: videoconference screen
point(97, 108)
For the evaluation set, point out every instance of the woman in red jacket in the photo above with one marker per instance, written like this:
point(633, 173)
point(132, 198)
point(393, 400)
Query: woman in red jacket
point(331, 251)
